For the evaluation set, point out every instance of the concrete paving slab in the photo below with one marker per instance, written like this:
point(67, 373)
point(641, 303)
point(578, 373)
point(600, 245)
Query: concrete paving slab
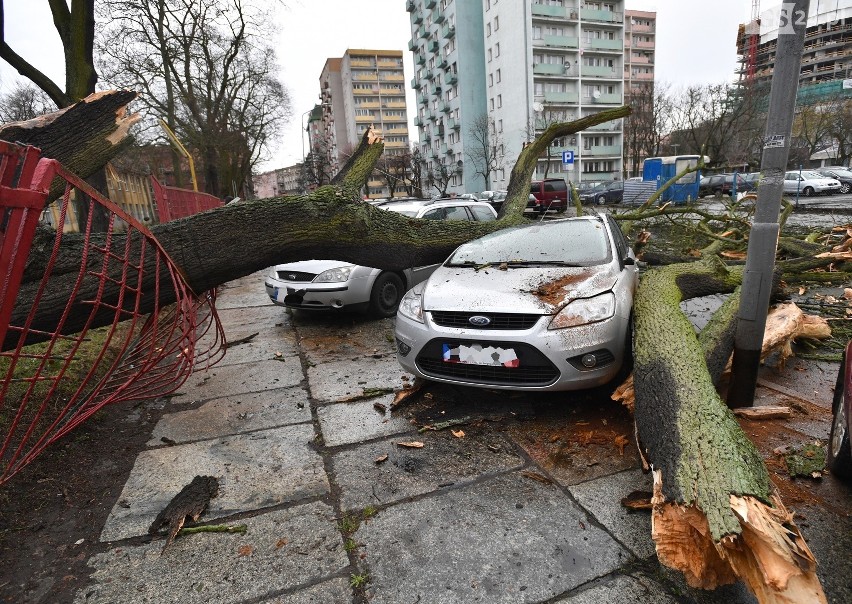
point(255, 470)
point(335, 591)
point(347, 423)
point(280, 550)
point(257, 317)
point(218, 382)
point(340, 380)
point(508, 540)
point(328, 337)
point(602, 498)
point(261, 348)
point(245, 292)
point(620, 588)
point(829, 535)
point(233, 415)
point(444, 460)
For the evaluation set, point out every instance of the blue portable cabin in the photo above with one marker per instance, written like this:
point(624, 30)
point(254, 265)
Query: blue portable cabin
point(663, 169)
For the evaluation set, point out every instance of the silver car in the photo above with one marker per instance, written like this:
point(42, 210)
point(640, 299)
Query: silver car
point(546, 306)
point(810, 183)
point(336, 285)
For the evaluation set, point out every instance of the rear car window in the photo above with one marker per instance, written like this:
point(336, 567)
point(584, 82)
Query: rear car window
point(482, 214)
point(555, 185)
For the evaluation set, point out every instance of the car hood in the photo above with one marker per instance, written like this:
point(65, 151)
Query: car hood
point(828, 180)
point(533, 290)
point(311, 266)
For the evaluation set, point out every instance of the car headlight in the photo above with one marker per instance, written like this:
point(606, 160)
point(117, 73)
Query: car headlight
point(334, 275)
point(585, 311)
point(411, 306)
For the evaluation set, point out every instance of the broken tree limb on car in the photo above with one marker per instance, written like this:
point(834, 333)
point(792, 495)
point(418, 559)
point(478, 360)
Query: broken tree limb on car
point(715, 517)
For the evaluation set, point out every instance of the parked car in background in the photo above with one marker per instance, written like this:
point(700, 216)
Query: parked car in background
point(493, 329)
point(336, 285)
point(712, 185)
point(607, 192)
point(743, 185)
point(809, 183)
point(839, 450)
point(550, 194)
point(495, 198)
point(843, 175)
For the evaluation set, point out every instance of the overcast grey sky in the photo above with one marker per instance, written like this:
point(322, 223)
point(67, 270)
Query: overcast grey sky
point(695, 43)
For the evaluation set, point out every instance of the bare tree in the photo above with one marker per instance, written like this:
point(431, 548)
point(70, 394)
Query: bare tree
point(441, 175)
point(840, 129)
point(24, 102)
point(318, 169)
point(205, 68)
point(412, 167)
point(484, 147)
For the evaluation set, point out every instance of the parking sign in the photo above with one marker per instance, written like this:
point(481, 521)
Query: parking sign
point(567, 157)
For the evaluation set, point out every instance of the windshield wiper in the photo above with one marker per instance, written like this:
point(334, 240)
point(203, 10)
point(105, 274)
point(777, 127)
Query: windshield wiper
point(470, 264)
point(521, 263)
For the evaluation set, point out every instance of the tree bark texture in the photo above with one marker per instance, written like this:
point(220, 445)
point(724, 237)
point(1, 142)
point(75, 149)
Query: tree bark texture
point(82, 137)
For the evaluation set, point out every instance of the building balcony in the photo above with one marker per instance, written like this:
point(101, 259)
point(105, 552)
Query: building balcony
point(418, 121)
point(604, 45)
point(432, 46)
point(394, 104)
point(445, 149)
point(603, 151)
point(396, 145)
point(442, 64)
point(551, 69)
point(448, 31)
point(642, 60)
point(430, 3)
point(362, 119)
point(433, 117)
point(420, 59)
point(454, 124)
point(452, 79)
point(409, 6)
point(428, 75)
point(643, 77)
point(372, 105)
point(594, 71)
point(604, 99)
point(362, 63)
point(360, 91)
point(552, 12)
point(643, 44)
point(607, 127)
point(392, 77)
point(423, 99)
point(563, 98)
point(561, 41)
point(445, 107)
point(422, 32)
point(601, 16)
point(417, 18)
point(438, 16)
point(415, 83)
point(364, 76)
point(390, 64)
point(642, 29)
point(412, 45)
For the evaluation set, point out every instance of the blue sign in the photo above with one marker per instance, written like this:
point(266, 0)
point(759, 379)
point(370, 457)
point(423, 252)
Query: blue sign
point(567, 157)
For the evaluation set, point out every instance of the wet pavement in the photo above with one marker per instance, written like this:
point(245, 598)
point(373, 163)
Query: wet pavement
point(518, 500)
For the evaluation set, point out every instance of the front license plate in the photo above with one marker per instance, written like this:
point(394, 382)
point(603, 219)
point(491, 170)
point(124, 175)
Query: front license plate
point(477, 354)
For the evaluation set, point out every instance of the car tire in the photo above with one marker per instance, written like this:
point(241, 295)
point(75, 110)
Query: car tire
point(600, 200)
point(845, 188)
point(386, 295)
point(839, 458)
point(807, 191)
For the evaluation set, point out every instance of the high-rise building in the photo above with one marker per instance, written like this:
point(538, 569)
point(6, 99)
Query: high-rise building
point(361, 89)
point(514, 67)
point(826, 70)
point(640, 28)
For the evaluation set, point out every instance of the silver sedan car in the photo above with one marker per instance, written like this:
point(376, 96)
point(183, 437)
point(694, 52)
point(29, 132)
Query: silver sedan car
point(546, 306)
point(336, 285)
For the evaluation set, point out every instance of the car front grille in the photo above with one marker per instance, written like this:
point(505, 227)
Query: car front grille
point(534, 369)
point(296, 276)
point(498, 320)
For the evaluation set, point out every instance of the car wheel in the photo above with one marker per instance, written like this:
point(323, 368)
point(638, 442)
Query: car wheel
point(845, 188)
point(807, 191)
point(601, 199)
point(386, 294)
point(839, 458)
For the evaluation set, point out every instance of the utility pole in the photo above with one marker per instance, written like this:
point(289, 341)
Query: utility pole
point(763, 241)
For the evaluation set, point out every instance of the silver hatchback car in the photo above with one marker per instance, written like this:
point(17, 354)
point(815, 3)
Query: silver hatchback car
point(546, 306)
point(337, 285)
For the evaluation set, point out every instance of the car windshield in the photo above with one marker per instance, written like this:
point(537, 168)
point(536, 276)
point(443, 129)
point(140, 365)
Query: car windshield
point(814, 175)
point(842, 173)
point(560, 243)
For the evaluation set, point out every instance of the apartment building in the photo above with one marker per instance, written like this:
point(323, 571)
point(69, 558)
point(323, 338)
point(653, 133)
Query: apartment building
point(826, 70)
point(361, 89)
point(449, 79)
point(640, 28)
point(523, 65)
point(284, 181)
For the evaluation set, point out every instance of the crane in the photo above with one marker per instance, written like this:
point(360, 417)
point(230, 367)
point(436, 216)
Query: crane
point(753, 32)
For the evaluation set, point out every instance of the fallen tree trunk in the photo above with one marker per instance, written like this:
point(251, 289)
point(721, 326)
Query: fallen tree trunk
point(715, 517)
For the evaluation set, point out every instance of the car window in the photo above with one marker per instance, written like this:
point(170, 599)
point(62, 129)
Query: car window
point(534, 188)
point(573, 242)
point(482, 214)
point(617, 186)
point(456, 213)
point(555, 185)
point(791, 176)
point(436, 214)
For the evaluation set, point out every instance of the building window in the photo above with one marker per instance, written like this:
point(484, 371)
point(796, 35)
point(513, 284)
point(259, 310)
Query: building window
point(496, 23)
point(499, 125)
point(491, 103)
point(488, 29)
point(489, 55)
point(499, 100)
point(490, 79)
point(497, 49)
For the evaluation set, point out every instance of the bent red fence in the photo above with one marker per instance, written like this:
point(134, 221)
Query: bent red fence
point(75, 331)
point(174, 203)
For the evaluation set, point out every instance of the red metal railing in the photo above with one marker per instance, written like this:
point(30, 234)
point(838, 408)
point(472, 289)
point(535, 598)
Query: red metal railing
point(174, 203)
point(75, 367)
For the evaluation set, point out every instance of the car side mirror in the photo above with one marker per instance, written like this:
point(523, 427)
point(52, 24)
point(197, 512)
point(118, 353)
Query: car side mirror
point(629, 261)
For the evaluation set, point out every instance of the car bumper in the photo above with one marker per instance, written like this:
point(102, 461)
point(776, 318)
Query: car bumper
point(547, 360)
point(348, 295)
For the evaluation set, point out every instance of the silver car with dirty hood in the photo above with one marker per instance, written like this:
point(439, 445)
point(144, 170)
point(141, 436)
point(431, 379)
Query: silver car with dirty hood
point(546, 306)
